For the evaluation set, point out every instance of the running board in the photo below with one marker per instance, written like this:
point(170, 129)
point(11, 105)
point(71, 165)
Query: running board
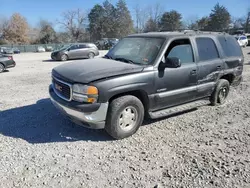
point(177, 109)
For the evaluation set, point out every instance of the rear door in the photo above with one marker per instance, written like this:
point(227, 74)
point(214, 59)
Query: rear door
point(232, 54)
point(83, 51)
point(210, 65)
point(74, 52)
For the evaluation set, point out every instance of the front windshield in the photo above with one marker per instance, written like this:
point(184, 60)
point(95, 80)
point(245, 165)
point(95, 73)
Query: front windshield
point(138, 50)
point(65, 47)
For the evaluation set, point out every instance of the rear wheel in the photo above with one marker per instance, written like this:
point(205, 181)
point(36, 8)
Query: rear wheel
point(91, 55)
point(1, 67)
point(64, 57)
point(125, 116)
point(220, 93)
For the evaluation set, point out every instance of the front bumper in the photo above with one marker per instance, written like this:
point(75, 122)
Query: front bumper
point(55, 56)
point(89, 115)
point(10, 64)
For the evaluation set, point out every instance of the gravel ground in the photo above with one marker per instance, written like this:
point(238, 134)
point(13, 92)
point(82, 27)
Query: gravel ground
point(208, 147)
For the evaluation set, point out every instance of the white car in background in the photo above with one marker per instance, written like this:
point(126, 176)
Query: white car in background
point(242, 40)
point(40, 49)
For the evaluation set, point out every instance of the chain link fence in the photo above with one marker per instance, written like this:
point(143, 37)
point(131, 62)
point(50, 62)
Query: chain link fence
point(33, 48)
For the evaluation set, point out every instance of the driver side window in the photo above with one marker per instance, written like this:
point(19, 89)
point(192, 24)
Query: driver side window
point(74, 47)
point(181, 49)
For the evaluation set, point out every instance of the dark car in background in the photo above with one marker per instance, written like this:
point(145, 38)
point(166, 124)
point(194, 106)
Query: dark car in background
point(16, 51)
point(6, 62)
point(76, 51)
point(106, 43)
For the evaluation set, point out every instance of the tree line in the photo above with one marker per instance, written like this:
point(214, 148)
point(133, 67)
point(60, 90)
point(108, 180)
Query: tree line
point(107, 20)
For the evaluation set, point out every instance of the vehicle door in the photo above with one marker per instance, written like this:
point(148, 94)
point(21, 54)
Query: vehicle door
point(73, 52)
point(210, 65)
point(83, 51)
point(176, 86)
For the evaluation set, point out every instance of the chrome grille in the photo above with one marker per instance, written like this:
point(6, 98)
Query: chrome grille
point(62, 89)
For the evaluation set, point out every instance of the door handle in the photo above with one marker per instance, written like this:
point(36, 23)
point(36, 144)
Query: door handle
point(219, 67)
point(193, 72)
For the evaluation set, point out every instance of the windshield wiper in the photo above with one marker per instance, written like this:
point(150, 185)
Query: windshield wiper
point(108, 57)
point(125, 60)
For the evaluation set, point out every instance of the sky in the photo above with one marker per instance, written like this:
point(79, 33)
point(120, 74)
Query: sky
point(51, 10)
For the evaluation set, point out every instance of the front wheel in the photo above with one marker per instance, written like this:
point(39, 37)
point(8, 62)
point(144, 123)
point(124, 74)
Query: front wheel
point(64, 57)
point(91, 55)
point(125, 116)
point(220, 93)
point(1, 67)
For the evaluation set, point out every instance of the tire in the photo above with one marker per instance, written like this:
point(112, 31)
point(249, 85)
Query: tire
point(2, 68)
point(220, 92)
point(91, 55)
point(125, 116)
point(64, 57)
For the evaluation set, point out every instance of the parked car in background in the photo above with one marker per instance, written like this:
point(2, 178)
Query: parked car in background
point(106, 43)
point(76, 51)
point(2, 50)
point(148, 75)
point(248, 38)
point(6, 62)
point(40, 49)
point(49, 48)
point(16, 51)
point(242, 40)
point(6, 50)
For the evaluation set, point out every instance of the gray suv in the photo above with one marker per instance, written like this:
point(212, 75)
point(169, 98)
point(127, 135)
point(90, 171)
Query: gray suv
point(75, 51)
point(147, 75)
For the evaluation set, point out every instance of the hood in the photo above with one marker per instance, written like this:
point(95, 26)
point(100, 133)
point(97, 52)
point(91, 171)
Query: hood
point(57, 51)
point(86, 71)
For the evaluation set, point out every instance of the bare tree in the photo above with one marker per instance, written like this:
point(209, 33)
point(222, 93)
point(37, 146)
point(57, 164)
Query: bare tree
point(155, 12)
point(247, 25)
point(141, 17)
point(3, 23)
point(191, 22)
point(74, 22)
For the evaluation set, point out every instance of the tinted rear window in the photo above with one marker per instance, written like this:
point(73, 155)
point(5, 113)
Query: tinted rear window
point(230, 46)
point(207, 49)
point(243, 38)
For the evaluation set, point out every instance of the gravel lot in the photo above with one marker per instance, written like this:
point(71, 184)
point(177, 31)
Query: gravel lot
point(208, 147)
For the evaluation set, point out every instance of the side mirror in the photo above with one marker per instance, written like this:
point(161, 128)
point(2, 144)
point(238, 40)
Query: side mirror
point(171, 62)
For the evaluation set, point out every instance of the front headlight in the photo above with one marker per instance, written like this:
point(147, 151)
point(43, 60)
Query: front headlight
point(84, 93)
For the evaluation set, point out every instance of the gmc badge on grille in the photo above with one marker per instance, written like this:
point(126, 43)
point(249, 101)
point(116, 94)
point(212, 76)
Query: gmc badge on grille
point(58, 87)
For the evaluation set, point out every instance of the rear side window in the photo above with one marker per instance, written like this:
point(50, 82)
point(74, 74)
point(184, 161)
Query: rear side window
point(82, 46)
point(74, 47)
point(206, 49)
point(230, 46)
point(243, 38)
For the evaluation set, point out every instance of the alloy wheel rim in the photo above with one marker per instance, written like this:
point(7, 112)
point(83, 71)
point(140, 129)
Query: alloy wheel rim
point(1, 68)
point(128, 118)
point(64, 57)
point(91, 55)
point(223, 94)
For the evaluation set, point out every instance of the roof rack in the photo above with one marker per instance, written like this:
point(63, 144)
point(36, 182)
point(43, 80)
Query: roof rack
point(187, 31)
